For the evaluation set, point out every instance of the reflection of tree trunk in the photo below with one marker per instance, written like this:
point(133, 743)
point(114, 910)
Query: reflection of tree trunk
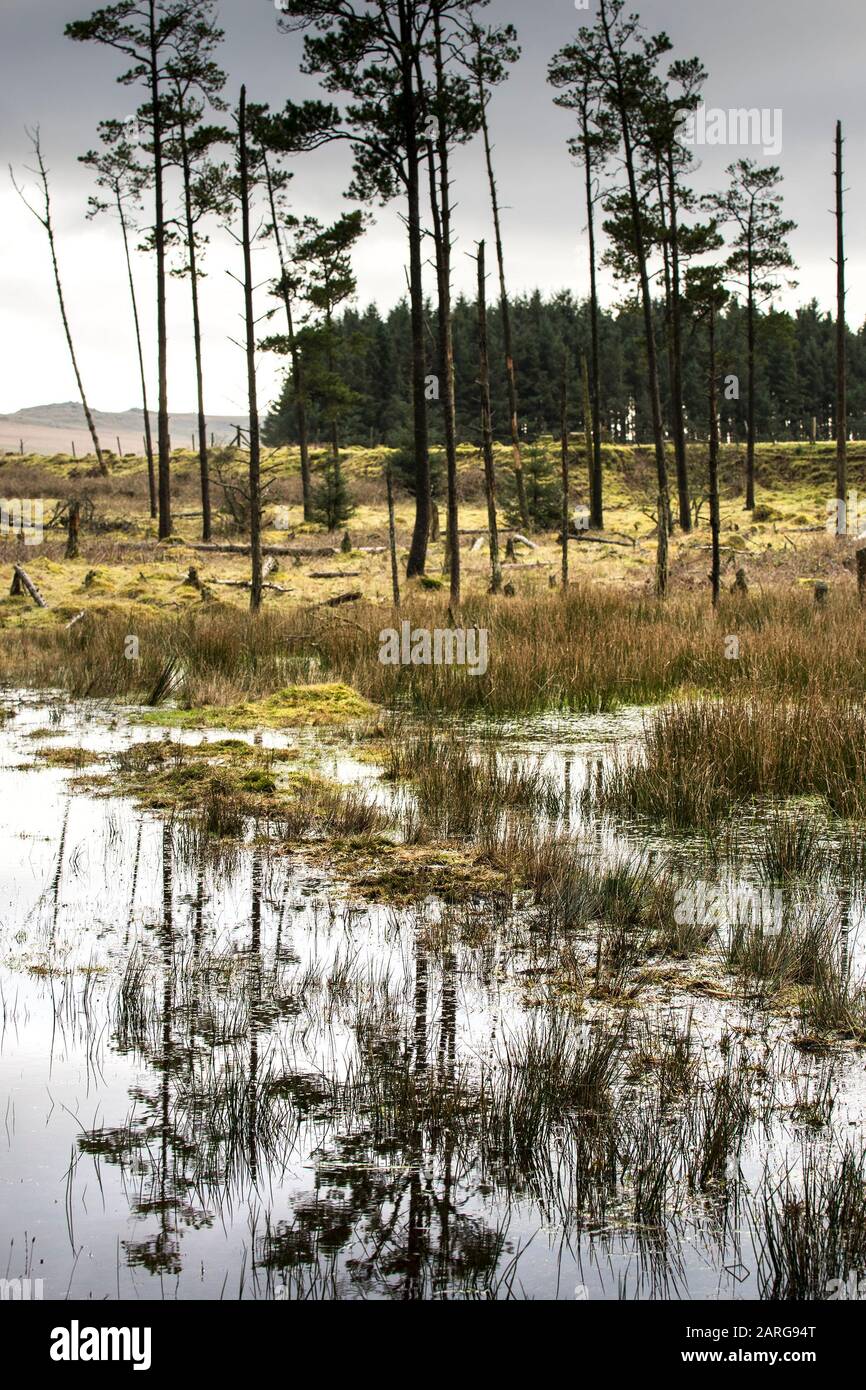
point(61, 849)
point(255, 999)
point(166, 1228)
point(135, 863)
point(413, 1287)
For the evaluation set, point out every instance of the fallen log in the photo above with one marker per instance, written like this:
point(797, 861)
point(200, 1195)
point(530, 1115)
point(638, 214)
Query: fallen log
point(600, 540)
point(339, 599)
point(335, 574)
point(21, 580)
point(313, 553)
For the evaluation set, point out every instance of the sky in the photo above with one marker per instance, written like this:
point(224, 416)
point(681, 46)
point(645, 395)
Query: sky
point(797, 57)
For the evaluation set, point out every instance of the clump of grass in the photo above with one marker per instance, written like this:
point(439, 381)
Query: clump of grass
point(790, 846)
point(702, 758)
point(459, 792)
point(778, 955)
point(834, 1003)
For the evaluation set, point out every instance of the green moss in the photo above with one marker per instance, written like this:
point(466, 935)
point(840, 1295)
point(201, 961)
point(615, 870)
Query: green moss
point(295, 705)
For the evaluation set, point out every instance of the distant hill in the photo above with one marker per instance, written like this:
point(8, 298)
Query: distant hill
point(53, 429)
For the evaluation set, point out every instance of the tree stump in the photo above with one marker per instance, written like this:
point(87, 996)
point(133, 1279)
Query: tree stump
point(821, 592)
point(740, 584)
point(861, 574)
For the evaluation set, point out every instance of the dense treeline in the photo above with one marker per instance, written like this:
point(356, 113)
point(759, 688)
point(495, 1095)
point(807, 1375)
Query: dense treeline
point(795, 374)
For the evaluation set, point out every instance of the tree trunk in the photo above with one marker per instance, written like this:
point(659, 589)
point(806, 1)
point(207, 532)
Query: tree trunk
point(649, 331)
point(392, 535)
point(418, 547)
point(506, 313)
point(487, 428)
point(298, 381)
point(587, 421)
point(596, 505)
point(841, 351)
point(256, 577)
point(751, 413)
point(163, 440)
point(566, 480)
point(715, 576)
point(48, 224)
point(73, 521)
point(204, 469)
point(677, 404)
point(148, 435)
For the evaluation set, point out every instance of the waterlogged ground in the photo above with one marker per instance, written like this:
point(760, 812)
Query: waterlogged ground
point(224, 1074)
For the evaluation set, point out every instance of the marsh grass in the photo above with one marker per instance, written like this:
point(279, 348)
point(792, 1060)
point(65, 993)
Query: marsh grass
point(701, 759)
point(593, 650)
point(811, 1226)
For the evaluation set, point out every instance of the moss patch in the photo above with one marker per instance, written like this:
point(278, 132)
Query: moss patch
point(316, 705)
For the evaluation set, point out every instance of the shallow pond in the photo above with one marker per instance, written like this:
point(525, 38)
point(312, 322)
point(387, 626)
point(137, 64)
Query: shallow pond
point(223, 1076)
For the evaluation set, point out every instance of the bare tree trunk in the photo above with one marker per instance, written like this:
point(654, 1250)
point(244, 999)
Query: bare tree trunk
point(566, 480)
point(441, 210)
point(715, 526)
point(841, 350)
point(505, 310)
point(148, 435)
point(163, 440)
point(677, 404)
point(663, 504)
point(751, 432)
point(47, 222)
point(298, 381)
point(596, 504)
point(256, 577)
point(487, 428)
point(204, 469)
point(392, 534)
point(418, 547)
point(73, 521)
point(587, 421)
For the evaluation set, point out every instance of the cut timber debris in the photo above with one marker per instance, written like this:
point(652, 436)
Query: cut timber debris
point(339, 599)
point(294, 551)
point(21, 581)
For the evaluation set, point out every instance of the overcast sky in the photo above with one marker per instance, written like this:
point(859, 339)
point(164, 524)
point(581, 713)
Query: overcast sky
point(798, 56)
